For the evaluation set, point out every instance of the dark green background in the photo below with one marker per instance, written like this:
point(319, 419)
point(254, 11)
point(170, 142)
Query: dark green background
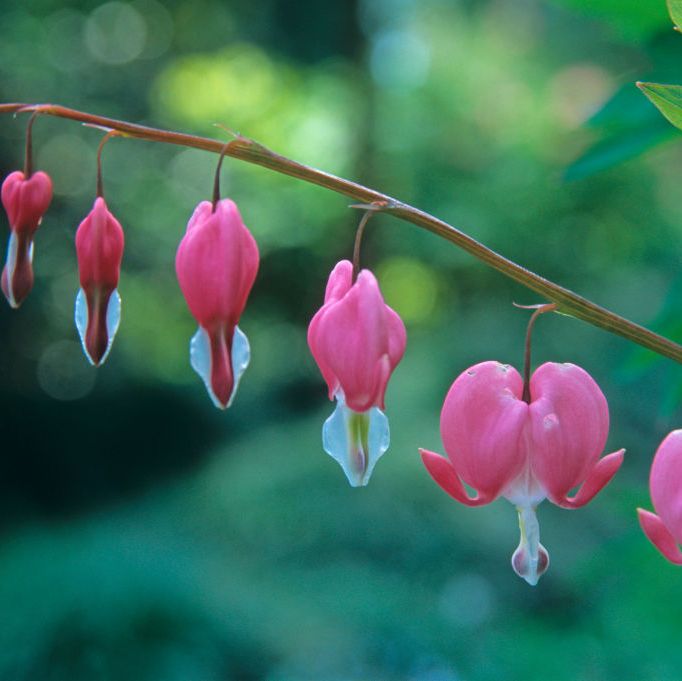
point(147, 536)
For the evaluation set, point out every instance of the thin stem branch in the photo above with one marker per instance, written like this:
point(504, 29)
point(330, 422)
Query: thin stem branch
point(216, 179)
point(245, 149)
point(358, 241)
point(28, 155)
point(104, 140)
point(540, 309)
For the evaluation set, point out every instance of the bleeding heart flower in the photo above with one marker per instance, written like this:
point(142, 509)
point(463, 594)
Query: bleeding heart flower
point(665, 483)
point(357, 342)
point(26, 199)
point(501, 445)
point(216, 265)
point(99, 247)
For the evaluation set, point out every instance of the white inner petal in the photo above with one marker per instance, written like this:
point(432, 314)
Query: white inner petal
point(81, 318)
point(200, 359)
point(11, 264)
point(241, 356)
point(356, 440)
point(113, 320)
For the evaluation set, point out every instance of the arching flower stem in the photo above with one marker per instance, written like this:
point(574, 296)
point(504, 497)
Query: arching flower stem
point(216, 180)
point(539, 309)
point(248, 150)
point(28, 157)
point(103, 141)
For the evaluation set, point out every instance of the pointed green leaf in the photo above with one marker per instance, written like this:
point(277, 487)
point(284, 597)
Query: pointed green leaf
point(675, 9)
point(667, 98)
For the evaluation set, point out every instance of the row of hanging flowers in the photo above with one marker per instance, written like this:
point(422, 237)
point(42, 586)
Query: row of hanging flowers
point(526, 437)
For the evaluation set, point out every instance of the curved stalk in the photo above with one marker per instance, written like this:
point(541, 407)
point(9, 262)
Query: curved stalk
point(245, 149)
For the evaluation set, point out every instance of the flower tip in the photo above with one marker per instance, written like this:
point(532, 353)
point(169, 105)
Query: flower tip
point(356, 440)
point(530, 570)
point(445, 476)
point(659, 535)
point(598, 478)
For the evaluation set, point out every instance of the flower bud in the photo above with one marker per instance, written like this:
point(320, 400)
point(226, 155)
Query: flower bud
point(357, 341)
point(502, 446)
point(99, 247)
point(216, 264)
point(665, 483)
point(26, 200)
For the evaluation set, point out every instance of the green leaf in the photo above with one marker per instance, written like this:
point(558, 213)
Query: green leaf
point(634, 19)
point(675, 9)
point(667, 98)
point(616, 149)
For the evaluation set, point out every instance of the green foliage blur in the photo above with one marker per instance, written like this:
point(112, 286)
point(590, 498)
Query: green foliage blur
point(147, 536)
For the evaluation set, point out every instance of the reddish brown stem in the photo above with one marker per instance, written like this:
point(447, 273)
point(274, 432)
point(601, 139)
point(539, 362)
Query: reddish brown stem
point(105, 139)
point(216, 180)
point(541, 309)
point(28, 155)
point(567, 301)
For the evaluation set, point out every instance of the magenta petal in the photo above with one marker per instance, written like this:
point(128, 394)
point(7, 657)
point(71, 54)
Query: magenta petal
point(444, 474)
point(356, 339)
point(482, 425)
point(569, 424)
point(216, 264)
point(659, 536)
point(597, 479)
point(339, 282)
point(665, 482)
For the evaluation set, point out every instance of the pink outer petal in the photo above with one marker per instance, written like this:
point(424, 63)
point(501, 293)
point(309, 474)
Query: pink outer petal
point(482, 424)
point(444, 474)
point(356, 340)
point(659, 536)
point(26, 200)
point(665, 483)
point(569, 424)
point(99, 247)
point(340, 281)
point(216, 264)
point(596, 480)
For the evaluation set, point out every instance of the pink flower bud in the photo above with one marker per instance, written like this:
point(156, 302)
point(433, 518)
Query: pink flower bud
point(26, 200)
point(665, 483)
point(357, 341)
point(502, 446)
point(216, 265)
point(99, 247)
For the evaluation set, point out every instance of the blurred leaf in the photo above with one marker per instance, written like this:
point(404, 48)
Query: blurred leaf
point(633, 18)
point(667, 98)
point(611, 151)
point(675, 9)
point(628, 126)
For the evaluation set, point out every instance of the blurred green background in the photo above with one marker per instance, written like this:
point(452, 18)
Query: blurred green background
point(147, 536)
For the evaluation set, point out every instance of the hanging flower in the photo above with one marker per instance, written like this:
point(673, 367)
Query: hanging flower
point(524, 450)
point(216, 265)
point(357, 342)
point(26, 197)
point(99, 247)
point(665, 483)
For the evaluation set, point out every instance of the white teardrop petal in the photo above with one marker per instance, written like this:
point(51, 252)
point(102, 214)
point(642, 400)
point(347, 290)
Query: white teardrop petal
point(356, 440)
point(113, 320)
point(11, 264)
point(200, 359)
point(81, 318)
point(241, 356)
